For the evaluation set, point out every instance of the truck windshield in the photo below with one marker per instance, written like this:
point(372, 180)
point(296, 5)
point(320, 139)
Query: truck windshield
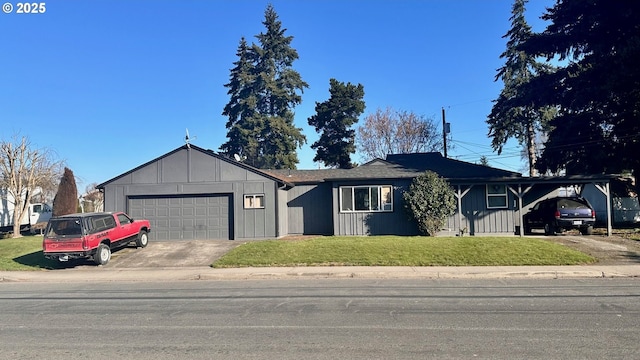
point(64, 227)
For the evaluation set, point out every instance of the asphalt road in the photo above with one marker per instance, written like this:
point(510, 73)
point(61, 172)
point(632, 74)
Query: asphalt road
point(322, 319)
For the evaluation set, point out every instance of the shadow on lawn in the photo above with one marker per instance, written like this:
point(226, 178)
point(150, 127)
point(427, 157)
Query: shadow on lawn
point(37, 260)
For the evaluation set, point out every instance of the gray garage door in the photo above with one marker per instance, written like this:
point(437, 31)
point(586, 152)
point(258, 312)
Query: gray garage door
point(201, 217)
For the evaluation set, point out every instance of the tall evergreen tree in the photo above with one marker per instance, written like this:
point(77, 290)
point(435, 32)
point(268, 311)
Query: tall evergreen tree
point(334, 119)
point(521, 122)
point(243, 125)
point(597, 89)
point(264, 90)
point(66, 199)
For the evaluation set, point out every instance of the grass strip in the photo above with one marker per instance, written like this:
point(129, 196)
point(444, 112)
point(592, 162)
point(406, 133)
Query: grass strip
point(402, 251)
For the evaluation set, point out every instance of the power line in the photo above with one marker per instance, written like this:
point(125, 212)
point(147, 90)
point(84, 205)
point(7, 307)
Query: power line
point(490, 157)
point(506, 152)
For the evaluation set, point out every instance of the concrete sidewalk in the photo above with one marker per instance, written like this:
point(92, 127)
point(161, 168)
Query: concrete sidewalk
point(103, 274)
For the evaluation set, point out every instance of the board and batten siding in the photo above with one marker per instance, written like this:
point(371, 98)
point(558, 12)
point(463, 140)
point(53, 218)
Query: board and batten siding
point(309, 209)
point(192, 172)
point(283, 215)
point(395, 222)
point(477, 219)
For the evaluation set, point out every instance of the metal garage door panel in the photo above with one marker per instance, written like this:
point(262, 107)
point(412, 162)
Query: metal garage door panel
point(184, 218)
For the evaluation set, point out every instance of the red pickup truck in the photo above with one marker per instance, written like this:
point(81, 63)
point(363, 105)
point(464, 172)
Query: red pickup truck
point(92, 235)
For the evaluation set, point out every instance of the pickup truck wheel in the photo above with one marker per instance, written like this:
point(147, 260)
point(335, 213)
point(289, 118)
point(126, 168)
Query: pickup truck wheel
point(102, 255)
point(143, 239)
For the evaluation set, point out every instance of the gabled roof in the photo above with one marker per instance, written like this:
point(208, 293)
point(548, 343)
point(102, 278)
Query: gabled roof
point(398, 166)
point(208, 152)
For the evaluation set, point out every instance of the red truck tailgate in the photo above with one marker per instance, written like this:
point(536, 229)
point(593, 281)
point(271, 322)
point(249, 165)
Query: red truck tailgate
point(62, 245)
point(63, 235)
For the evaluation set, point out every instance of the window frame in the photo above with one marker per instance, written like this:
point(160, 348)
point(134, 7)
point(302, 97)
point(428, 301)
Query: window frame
point(496, 195)
point(127, 220)
point(253, 201)
point(381, 204)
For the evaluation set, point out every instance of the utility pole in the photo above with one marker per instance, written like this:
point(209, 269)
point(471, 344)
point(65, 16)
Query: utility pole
point(444, 133)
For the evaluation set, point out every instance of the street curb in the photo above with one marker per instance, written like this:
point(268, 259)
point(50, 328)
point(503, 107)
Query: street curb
point(101, 274)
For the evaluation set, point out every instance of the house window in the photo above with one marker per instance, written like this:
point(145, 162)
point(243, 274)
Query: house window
point(255, 201)
point(496, 196)
point(366, 198)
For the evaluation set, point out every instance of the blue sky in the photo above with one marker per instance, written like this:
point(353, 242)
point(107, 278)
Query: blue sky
point(110, 85)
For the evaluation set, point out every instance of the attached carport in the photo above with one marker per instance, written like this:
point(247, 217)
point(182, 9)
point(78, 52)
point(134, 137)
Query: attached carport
point(529, 190)
point(600, 182)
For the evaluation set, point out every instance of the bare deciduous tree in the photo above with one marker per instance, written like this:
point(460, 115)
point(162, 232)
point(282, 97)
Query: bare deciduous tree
point(23, 170)
point(93, 198)
point(397, 132)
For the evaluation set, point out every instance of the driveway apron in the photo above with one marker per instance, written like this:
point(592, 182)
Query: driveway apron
point(172, 254)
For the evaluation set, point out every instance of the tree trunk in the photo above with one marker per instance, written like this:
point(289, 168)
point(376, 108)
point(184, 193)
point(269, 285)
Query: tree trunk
point(531, 149)
point(18, 213)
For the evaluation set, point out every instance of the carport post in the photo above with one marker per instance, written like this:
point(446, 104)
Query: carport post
point(607, 193)
point(520, 194)
point(460, 195)
point(609, 220)
point(521, 229)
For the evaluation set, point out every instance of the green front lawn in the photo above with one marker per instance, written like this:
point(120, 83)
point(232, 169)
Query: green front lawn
point(402, 251)
point(24, 253)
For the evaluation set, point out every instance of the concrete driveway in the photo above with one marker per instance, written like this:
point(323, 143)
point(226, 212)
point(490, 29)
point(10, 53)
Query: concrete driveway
point(179, 253)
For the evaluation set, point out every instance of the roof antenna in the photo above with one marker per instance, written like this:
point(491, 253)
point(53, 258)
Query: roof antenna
point(187, 138)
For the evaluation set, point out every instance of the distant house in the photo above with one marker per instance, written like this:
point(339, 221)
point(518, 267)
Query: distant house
point(193, 193)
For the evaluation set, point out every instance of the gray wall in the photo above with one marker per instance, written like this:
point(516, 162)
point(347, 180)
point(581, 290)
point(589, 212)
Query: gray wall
point(478, 220)
point(192, 172)
point(598, 200)
point(283, 217)
point(310, 209)
point(376, 223)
